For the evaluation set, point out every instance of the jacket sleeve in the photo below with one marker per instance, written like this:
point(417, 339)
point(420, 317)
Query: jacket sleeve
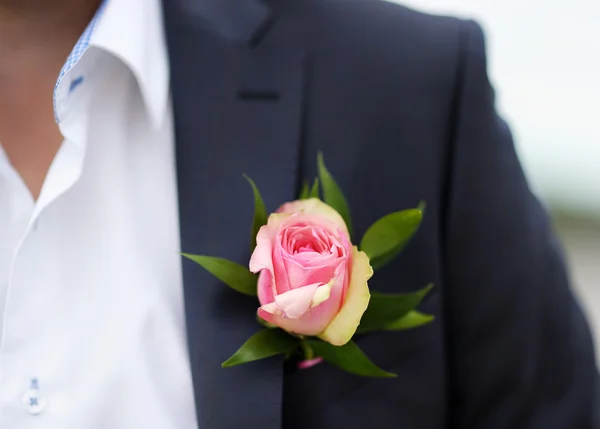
point(521, 353)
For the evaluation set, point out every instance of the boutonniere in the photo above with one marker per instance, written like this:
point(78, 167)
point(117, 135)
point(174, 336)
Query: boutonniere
point(312, 281)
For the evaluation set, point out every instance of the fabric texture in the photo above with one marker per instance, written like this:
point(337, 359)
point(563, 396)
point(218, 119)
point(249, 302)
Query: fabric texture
point(401, 106)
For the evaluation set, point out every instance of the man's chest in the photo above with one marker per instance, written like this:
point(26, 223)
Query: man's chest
point(90, 280)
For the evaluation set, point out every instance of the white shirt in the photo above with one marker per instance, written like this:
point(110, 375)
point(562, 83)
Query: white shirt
point(91, 303)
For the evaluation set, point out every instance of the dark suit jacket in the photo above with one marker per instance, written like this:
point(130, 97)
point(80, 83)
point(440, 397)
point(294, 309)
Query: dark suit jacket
point(401, 105)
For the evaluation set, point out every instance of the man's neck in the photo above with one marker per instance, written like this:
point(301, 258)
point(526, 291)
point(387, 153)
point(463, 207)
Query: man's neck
point(46, 23)
point(36, 37)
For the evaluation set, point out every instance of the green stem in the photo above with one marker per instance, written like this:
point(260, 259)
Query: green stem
point(308, 351)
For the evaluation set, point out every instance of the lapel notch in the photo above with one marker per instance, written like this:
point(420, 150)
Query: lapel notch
point(239, 21)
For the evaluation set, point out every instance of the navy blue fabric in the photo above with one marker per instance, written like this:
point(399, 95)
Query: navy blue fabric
point(401, 106)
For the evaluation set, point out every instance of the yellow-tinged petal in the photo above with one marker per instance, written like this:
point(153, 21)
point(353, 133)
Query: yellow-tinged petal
point(322, 294)
point(317, 207)
point(343, 326)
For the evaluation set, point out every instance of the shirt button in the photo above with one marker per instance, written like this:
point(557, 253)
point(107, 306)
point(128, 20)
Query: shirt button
point(33, 401)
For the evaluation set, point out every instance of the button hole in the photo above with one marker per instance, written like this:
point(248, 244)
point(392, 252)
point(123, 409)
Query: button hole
point(258, 95)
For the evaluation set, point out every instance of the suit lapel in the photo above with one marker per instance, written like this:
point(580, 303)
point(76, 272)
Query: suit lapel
point(237, 110)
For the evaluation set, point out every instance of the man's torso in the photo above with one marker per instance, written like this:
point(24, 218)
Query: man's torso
point(93, 331)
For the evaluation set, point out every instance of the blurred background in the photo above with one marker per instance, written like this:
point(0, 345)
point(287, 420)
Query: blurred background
point(544, 62)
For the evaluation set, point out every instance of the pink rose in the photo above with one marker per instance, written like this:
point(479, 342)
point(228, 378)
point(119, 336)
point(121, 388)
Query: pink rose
point(312, 280)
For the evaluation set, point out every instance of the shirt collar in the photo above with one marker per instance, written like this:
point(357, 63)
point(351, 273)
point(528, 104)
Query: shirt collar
point(132, 30)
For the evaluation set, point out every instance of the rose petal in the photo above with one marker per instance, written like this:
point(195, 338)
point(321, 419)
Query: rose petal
point(317, 207)
point(296, 302)
point(314, 321)
point(322, 294)
point(265, 287)
point(299, 275)
point(309, 363)
point(261, 257)
point(281, 278)
point(271, 308)
point(343, 326)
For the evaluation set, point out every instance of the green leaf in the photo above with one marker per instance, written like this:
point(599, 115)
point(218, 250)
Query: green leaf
point(387, 237)
point(263, 344)
point(348, 357)
point(304, 193)
point(314, 191)
point(232, 274)
point(385, 309)
point(413, 319)
point(260, 212)
point(332, 195)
